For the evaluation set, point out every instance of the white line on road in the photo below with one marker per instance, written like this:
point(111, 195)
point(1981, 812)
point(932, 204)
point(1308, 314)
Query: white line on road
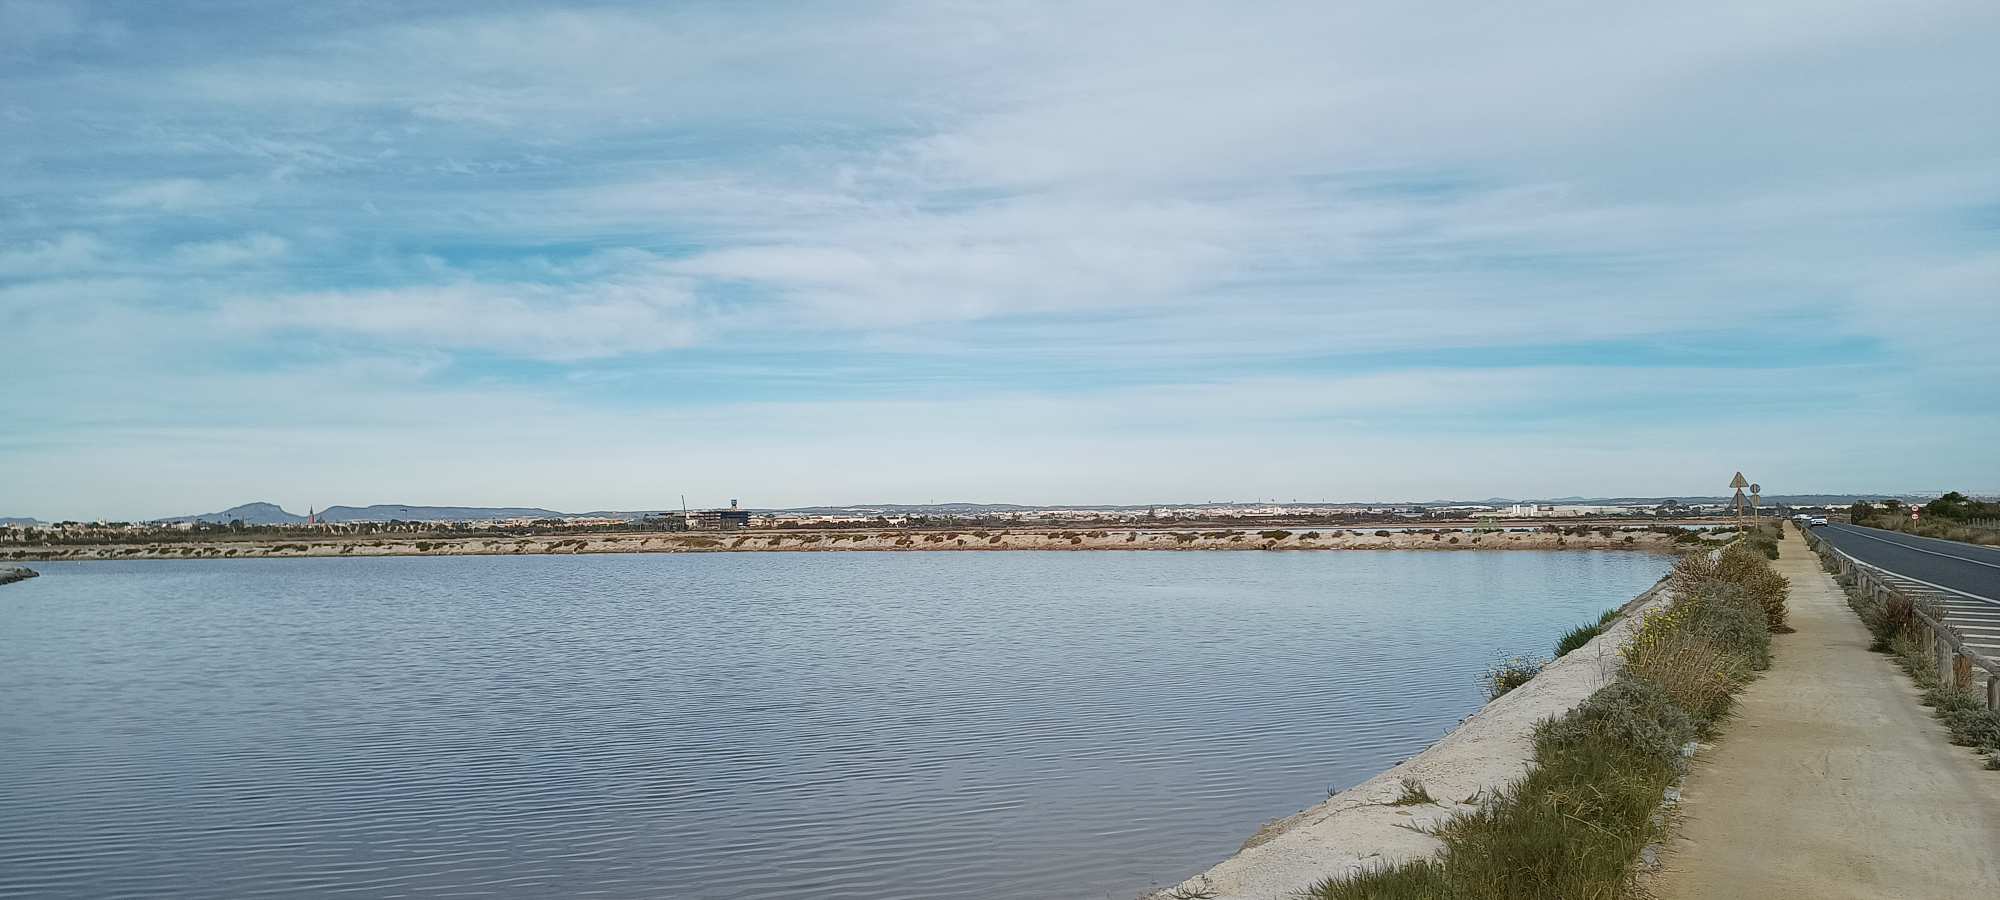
point(1932, 585)
point(1859, 533)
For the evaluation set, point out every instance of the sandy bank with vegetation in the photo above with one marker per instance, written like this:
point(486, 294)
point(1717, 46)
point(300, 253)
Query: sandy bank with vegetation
point(1383, 822)
point(875, 540)
point(1555, 788)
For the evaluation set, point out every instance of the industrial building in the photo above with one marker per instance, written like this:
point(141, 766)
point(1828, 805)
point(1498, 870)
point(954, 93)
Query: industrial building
point(717, 519)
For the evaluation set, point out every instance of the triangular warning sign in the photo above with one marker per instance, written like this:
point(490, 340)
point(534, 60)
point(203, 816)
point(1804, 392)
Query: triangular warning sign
point(1739, 482)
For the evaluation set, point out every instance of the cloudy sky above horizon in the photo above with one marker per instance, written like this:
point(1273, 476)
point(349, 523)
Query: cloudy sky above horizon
point(598, 255)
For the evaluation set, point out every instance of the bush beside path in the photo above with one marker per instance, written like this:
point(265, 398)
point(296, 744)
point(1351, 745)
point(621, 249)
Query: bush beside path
point(1833, 781)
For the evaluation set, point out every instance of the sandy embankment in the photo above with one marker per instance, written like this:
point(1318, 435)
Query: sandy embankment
point(686, 542)
point(1359, 829)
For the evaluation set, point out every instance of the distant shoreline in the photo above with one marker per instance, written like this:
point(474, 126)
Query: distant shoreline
point(876, 540)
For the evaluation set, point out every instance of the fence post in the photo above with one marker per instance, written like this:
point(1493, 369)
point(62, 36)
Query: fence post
point(1945, 675)
point(1961, 671)
point(1993, 692)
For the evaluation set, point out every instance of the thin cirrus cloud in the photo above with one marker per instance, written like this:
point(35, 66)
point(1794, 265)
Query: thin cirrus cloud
point(1070, 231)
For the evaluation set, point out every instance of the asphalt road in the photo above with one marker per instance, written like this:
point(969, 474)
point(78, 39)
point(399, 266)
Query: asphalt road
point(1963, 569)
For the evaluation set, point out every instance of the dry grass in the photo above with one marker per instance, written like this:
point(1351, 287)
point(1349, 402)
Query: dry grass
point(1414, 794)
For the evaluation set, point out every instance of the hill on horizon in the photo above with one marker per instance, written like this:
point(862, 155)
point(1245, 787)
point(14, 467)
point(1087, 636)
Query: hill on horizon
point(262, 513)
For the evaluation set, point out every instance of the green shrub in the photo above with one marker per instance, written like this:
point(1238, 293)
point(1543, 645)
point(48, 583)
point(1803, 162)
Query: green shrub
point(1510, 673)
point(1727, 617)
point(1886, 619)
point(1577, 637)
point(1634, 711)
point(1737, 566)
point(1698, 675)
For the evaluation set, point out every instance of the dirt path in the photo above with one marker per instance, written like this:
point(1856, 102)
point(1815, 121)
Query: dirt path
point(1832, 781)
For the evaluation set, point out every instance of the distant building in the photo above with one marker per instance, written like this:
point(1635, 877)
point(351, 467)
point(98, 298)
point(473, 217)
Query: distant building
point(718, 519)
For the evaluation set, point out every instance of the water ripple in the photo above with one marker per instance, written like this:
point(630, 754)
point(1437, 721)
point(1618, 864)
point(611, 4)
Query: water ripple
point(769, 725)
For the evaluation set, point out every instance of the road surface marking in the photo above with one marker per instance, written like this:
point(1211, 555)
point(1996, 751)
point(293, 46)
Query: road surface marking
point(1976, 562)
point(1927, 583)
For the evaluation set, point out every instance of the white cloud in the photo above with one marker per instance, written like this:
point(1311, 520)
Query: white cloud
point(630, 313)
point(64, 253)
point(250, 248)
point(1283, 216)
point(167, 195)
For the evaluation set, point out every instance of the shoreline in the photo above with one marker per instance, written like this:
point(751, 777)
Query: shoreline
point(1366, 827)
point(864, 541)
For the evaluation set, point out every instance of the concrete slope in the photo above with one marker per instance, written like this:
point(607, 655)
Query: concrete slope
point(1832, 781)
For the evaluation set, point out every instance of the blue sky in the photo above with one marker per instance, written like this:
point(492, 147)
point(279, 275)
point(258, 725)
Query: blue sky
point(591, 255)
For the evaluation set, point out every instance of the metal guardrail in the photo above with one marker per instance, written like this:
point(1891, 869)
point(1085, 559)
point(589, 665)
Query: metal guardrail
point(1954, 659)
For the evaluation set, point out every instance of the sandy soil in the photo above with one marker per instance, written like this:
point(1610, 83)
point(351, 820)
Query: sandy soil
point(686, 542)
point(1832, 781)
point(1361, 828)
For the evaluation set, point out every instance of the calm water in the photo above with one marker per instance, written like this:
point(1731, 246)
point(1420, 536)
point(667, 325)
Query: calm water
point(758, 725)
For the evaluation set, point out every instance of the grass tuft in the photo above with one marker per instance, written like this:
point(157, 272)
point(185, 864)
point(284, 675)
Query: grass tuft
point(1413, 794)
point(1200, 890)
point(1577, 637)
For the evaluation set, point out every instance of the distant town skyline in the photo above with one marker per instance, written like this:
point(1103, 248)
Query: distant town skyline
point(261, 510)
point(597, 255)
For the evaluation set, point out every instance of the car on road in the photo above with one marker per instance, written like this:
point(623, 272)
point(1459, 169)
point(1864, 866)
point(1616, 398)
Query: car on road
point(1816, 521)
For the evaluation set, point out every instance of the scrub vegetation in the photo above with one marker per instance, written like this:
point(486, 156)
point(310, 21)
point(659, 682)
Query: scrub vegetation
point(1893, 624)
point(1575, 825)
point(1510, 673)
point(1953, 517)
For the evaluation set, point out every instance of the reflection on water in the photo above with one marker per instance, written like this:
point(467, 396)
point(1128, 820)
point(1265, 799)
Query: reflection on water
point(767, 725)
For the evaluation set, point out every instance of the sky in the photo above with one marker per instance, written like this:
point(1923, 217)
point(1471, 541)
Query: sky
point(601, 255)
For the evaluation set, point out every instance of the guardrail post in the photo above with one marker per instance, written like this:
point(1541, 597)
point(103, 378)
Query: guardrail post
point(1945, 675)
point(1961, 671)
point(1993, 692)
